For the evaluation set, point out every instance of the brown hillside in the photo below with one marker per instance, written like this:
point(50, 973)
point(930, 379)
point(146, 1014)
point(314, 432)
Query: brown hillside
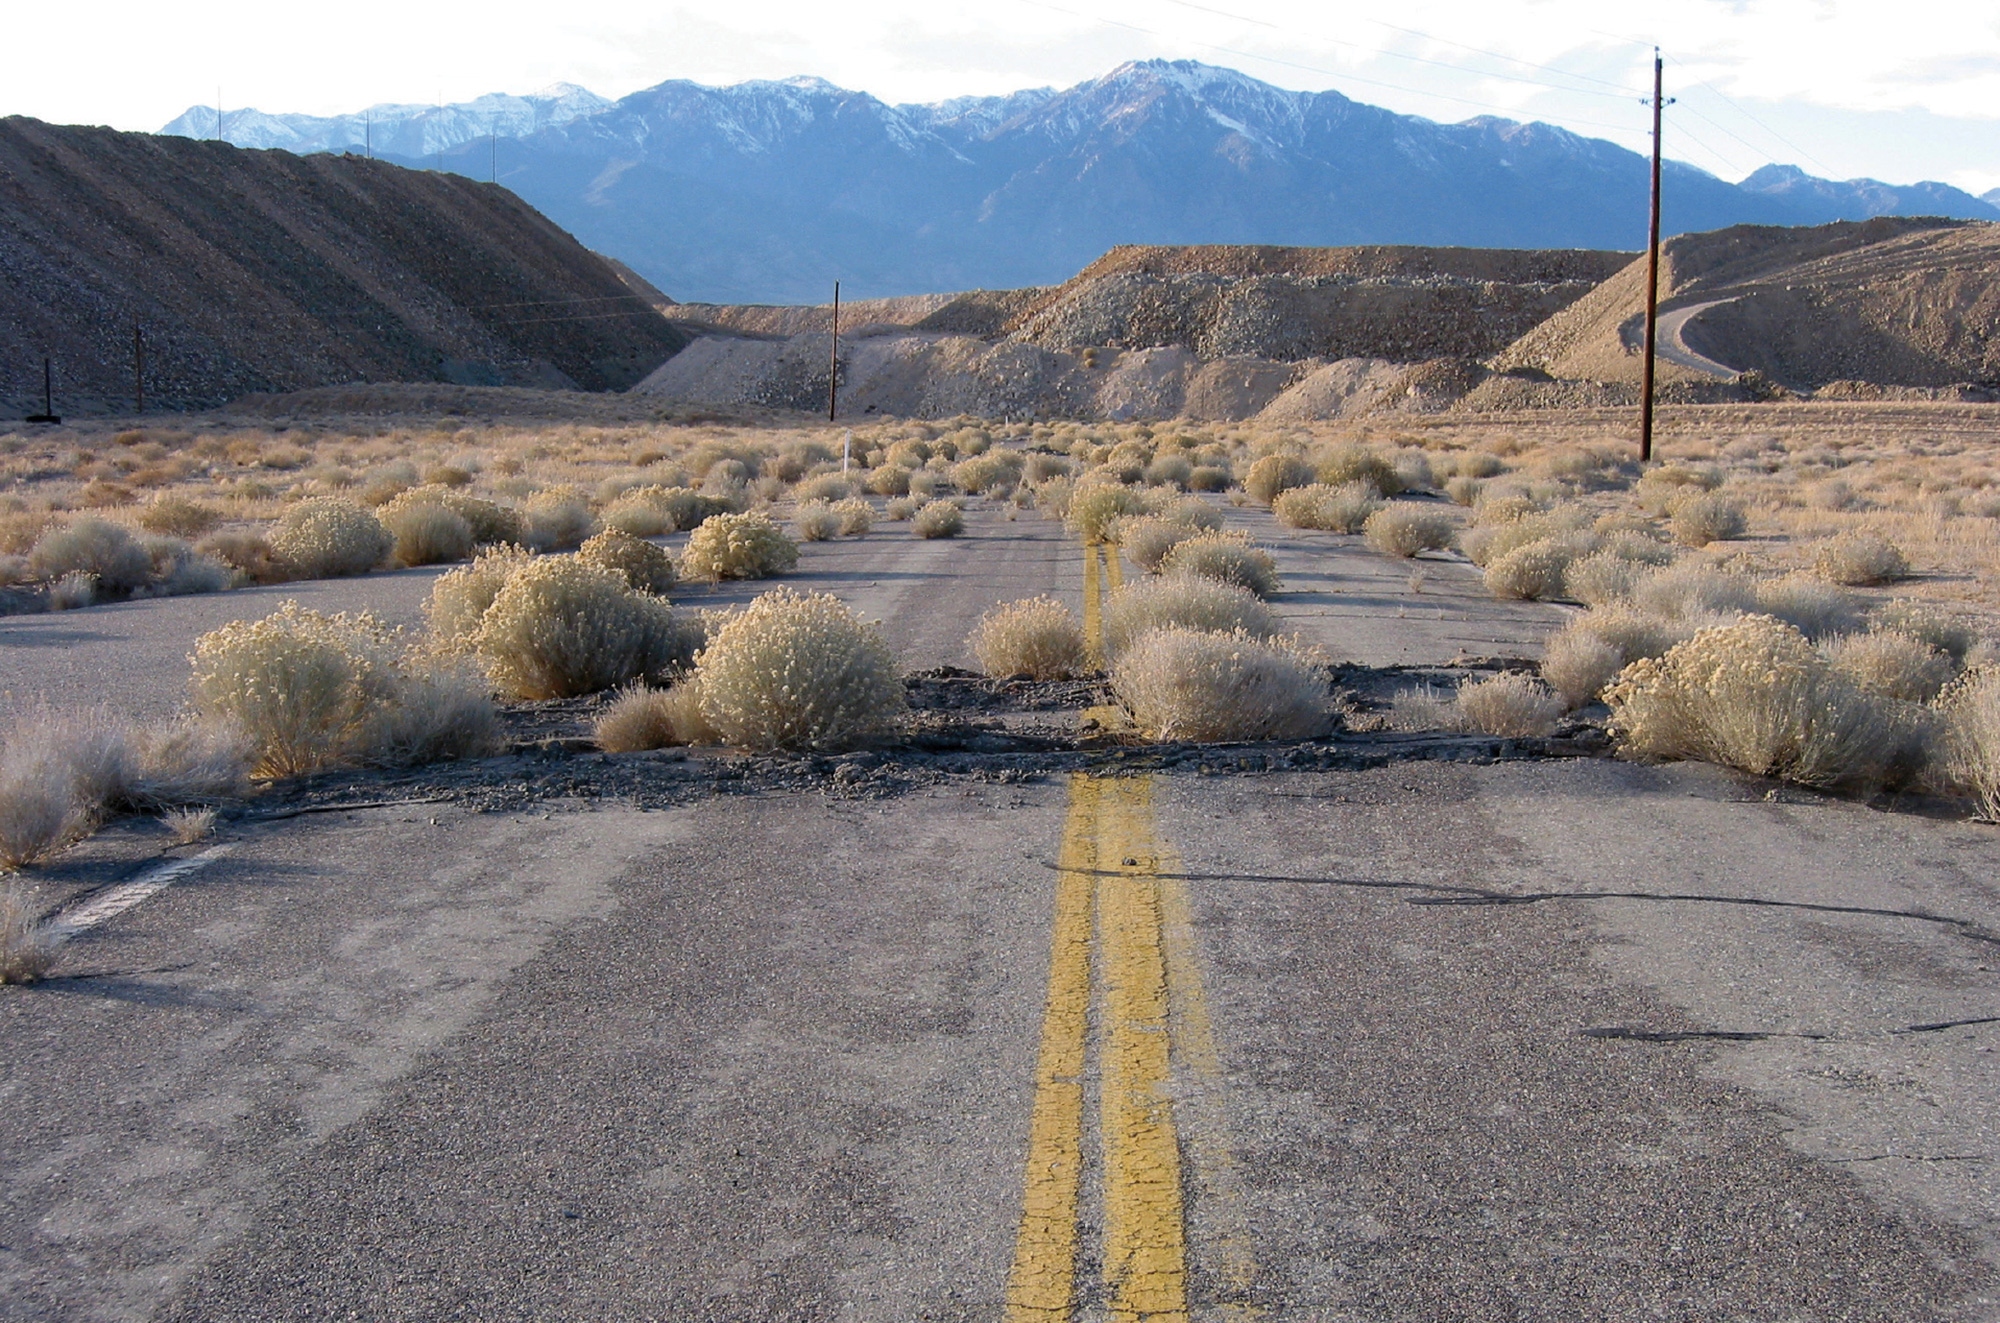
point(265, 271)
point(1365, 262)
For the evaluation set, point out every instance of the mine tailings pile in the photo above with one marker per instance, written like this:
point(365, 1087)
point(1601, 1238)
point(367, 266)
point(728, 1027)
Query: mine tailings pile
point(254, 271)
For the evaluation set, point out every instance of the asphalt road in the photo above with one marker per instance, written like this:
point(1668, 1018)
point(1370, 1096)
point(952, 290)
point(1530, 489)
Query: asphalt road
point(1160, 1046)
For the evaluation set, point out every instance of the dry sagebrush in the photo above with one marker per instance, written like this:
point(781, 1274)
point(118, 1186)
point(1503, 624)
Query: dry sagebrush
point(738, 546)
point(938, 519)
point(798, 671)
point(1187, 684)
point(559, 627)
point(644, 567)
point(1038, 637)
point(1226, 558)
point(1342, 509)
point(325, 537)
point(640, 718)
point(1404, 530)
point(1186, 601)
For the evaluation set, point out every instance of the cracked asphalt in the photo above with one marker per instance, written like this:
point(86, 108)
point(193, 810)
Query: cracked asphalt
point(784, 1054)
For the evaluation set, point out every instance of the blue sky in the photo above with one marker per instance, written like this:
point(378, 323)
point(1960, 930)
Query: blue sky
point(1894, 89)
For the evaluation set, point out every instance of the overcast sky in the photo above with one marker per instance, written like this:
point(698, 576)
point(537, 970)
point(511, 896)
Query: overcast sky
point(1898, 90)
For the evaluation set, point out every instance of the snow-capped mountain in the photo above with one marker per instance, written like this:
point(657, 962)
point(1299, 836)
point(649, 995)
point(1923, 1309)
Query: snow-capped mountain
point(769, 190)
point(404, 130)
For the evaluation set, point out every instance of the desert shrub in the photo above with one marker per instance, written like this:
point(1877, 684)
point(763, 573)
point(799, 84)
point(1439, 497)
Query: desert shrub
point(1185, 600)
point(178, 570)
point(1689, 591)
point(1226, 558)
point(488, 522)
point(927, 484)
point(1892, 665)
point(1601, 578)
point(738, 546)
point(559, 627)
point(986, 471)
point(1344, 462)
point(1463, 490)
point(1168, 471)
point(1658, 488)
point(1208, 478)
point(310, 690)
point(1473, 464)
point(57, 773)
point(640, 718)
point(900, 509)
point(815, 521)
point(1636, 634)
point(1926, 623)
point(26, 953)
point(1969, 738)
point(1534, 572)
point(1508, 705)
point(644, 567)
point(1146, 539)
point(177, 516)
point(890, 480)
point(1813, 608)
point(1190, 684)
point(826, 487)
point(188, 761)
point(326, 537)
point(1860, 559)
point(1577, 664)
point(938, 519)
point(425, 533)
point(798, 671)
point(1757, 696)
point(1404, 530)
point(105, 552)
point(1273, 474)
point(249, 554)
point(1038, 637)
point(558, 519)
point(856, 516)
point(1094, 506)
point(460, 598)
point(652, 511)
point(1699, 519)
point(1037, 468)
point(1414, 471)
point(1331, 509)
point(1190, 510)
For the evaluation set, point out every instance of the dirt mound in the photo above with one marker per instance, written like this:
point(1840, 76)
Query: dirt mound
point(264, 271)
point(984, 312)
point(1891, 301)
point(780, 320)
point(1512, 266)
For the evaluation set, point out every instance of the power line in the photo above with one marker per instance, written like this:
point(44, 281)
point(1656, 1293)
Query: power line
point(1814, 160)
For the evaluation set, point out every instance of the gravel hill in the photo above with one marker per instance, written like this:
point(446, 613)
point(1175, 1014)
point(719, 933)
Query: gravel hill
point(263, 271)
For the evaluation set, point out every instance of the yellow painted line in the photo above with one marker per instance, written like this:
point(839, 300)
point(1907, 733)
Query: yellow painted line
point(1093, 601)
point(1114, 565)
point(1145, 1247)
point(1042, 1286)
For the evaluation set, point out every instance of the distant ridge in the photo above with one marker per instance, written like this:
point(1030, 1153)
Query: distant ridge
point(764, 192)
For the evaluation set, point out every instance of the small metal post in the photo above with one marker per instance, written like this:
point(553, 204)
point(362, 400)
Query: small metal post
point(833, 368)
point(138, 370)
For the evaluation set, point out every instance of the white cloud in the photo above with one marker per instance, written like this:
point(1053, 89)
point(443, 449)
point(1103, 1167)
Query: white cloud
point(1759, 79)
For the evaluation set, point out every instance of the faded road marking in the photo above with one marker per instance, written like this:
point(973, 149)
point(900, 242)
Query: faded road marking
point(116, 900)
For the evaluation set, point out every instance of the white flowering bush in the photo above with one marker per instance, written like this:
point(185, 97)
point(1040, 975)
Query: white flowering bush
point(1184, 600)
point(488, 521)
point(738, 546)
point(1037, 637)
point(654, 510)
point(1343, 509)
point(1226, 558)
point(1757, 696)
point(560, 626)
point(798, 671)
point(645, 567)
point(325, 537)
point(460, 598)
point(1344, 462)
point(1404, 530)
point(1190, 684)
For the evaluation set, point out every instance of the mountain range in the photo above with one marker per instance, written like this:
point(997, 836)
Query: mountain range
point(768, 191)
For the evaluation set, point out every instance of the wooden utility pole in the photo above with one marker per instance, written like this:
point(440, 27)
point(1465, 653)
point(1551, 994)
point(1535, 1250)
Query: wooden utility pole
point(833, 361)
point(138, 370)
point(1652, 276)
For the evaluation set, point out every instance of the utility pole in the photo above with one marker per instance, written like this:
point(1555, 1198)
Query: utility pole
point(138, 370)
point(218, 113)
point(48, 413)
point(368, 135)
point(833, 364)
point(492, 153)
point(1652, 275)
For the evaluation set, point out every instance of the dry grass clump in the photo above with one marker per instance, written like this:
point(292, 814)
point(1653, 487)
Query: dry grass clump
point(26, 955)
point(1919, 620)
point(1274, 474)
point(1226, 558)
point(1658, 488)
point(177, 516)
point(1602, 578)
point(558, 519)
point(815, 521)
point(856, 516)
point(1345, 462)
point(1892, 665)
point(1860, 560)
point(640, 718)
point(1816, 609)
point(645, 567)
point(1184, 600)
point(326, 537)
point(797, 671)
point(825, 488)
point(1192, 684)
point(1757, 696)
point(1508, 705)
point(738, 546)
point(248, 554)
point(189, 826)
point(1534, 572)
point(1345, 509)
point(309, 690)
point(559, 626)
point(1405, 530)
point(1700, 518)
point(426, 533)
point(938, 519)
point(655, 510)
point(1578, 665)
point(1037, 637)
